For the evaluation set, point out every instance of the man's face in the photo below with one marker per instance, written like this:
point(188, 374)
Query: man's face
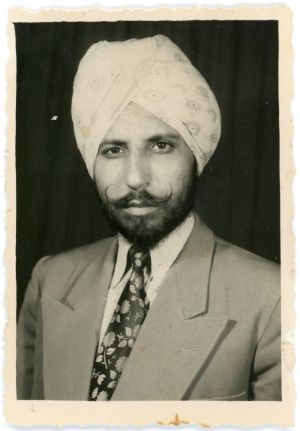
point(145, 175)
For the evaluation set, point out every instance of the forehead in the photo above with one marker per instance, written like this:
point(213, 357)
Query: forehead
point(135, 120)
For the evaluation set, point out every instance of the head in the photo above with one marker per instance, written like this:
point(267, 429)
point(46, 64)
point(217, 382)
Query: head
point(145, 175)
point(145, 121)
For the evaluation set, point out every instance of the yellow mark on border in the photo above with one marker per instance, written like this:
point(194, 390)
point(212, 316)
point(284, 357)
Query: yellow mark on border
point(175, 421)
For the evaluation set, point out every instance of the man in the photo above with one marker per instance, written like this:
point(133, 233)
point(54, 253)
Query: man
point(165, 310)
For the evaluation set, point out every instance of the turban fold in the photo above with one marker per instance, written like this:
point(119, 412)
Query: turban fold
point(153, 73)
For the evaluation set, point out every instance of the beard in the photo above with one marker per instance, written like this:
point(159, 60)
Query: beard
point(147, 230)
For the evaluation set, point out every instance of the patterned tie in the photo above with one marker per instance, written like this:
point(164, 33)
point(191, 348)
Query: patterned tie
point(122, 331)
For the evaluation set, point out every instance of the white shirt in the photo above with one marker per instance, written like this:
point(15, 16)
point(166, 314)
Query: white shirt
point(162, 255)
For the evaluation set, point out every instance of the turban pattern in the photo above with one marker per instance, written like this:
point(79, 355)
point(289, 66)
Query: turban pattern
point(153, 73)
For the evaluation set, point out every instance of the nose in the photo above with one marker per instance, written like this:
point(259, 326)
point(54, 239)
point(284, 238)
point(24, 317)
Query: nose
point(137, 171)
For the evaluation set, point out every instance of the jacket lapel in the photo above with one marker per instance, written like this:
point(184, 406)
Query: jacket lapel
point(78, 314)
point(179, 337)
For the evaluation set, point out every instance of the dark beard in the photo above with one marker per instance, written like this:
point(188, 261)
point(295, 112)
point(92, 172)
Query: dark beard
point(147, 230)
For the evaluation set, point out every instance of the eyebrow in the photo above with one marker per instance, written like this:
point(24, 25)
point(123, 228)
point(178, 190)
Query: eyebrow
point(154, 138)
point(163, 136)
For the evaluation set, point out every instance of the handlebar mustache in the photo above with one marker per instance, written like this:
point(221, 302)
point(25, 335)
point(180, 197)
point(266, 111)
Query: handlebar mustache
point(143, 197)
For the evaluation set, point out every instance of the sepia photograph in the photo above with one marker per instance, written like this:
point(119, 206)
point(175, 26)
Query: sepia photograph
point(116, 317)
point(148, 235)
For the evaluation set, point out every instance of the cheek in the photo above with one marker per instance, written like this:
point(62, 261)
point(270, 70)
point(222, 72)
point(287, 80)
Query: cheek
point(181, 182)
point(104, 175)
point(176, 172)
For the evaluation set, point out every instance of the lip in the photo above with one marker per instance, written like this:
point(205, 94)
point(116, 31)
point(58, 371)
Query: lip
point(137, 204)
point(139, 210)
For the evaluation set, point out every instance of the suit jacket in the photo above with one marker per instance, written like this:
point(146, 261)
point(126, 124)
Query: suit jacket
point(212, 332)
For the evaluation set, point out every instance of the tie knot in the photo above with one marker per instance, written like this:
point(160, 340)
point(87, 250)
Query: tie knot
point(140, 258)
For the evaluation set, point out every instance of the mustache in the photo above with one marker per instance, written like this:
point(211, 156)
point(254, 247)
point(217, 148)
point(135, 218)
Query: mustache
point(144, 198)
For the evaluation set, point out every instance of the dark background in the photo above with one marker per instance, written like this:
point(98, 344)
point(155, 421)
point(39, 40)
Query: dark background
point(238, 193)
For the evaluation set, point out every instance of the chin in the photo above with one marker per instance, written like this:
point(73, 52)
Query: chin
point(149, 229)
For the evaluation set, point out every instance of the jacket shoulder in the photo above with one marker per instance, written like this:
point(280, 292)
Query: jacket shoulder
point(74, 259)
point(245, 259)
point(251, 274)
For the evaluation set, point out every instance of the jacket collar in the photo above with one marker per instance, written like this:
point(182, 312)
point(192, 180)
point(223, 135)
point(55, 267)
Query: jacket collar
point(192, 269)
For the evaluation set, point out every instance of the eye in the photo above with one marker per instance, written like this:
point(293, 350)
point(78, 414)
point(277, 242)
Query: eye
point(112, 152)
point(162, 146)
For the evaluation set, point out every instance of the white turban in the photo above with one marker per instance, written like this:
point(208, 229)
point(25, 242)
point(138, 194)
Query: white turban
point(153, 73)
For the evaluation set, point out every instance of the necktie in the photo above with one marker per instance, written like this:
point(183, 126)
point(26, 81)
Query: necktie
point(122, 330)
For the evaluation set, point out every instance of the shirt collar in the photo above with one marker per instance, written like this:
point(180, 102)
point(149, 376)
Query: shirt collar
point(162, 255)
point(121, 261)
point(166, 251)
